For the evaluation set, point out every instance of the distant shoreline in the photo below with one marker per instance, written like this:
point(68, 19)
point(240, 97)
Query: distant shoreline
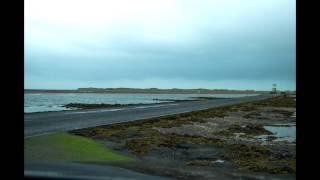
point(145, 91)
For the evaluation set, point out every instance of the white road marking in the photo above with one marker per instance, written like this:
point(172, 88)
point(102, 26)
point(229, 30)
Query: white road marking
point(109, 110)
point(104, 110)
point(41, 173)
point(143, 107)
point(46, 133)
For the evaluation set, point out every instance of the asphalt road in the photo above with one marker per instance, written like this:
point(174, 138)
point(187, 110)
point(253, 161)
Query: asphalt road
point(73, 170)
point(47, 122)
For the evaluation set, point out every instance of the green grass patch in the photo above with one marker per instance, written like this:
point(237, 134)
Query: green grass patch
point(67, 147)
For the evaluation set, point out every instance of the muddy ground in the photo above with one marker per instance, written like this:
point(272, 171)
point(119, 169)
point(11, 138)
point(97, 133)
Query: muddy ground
point(253, 140)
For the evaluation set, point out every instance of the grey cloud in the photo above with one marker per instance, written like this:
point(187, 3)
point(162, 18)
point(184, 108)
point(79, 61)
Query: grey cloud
point(248, 49)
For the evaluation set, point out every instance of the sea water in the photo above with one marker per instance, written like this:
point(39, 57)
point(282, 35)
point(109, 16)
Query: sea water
point(41, 102)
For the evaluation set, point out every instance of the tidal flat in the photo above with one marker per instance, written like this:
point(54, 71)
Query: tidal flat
point(243, 141)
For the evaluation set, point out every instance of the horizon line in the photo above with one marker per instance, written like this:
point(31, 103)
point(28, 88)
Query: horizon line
point(154, 88)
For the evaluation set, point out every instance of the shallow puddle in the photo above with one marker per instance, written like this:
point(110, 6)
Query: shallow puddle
point(281, 132)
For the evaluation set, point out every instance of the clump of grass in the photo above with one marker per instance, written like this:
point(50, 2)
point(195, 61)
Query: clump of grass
point(252, 114)
point(277, 102)
point(248, 107)
point(260, 159)
point(199, 163)
point(143, 145)
point(283, 112)
point(277, 167)
point(248, 130)
point(139, 146)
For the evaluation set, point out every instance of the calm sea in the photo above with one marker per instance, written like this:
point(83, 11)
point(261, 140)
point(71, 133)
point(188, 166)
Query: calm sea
point(54, 101)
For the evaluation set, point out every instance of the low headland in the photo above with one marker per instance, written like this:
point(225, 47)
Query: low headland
point(146, 91)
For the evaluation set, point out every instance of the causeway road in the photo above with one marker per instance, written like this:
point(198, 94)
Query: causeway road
point(49, 122)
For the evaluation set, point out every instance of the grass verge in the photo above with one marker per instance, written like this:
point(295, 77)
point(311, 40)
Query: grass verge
point(68, 147)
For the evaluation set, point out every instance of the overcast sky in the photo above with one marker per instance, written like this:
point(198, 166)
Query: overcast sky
point(230, 44)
